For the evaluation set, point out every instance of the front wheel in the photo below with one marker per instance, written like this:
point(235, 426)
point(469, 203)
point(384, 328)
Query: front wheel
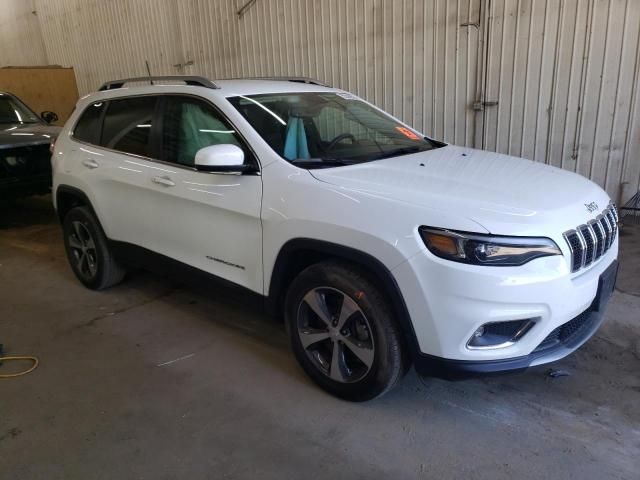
point(342, 331)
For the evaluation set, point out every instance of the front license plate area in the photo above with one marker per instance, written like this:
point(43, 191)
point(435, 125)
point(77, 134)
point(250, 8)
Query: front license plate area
point(606, 284)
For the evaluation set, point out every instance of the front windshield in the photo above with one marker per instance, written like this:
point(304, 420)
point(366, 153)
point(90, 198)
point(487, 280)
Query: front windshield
point(13, 111)
point(318, 129)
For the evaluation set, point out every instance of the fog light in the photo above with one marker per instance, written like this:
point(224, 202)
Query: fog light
point(494, 335)
point(479, 332)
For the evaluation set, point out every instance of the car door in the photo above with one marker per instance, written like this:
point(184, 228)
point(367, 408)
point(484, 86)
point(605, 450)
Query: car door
point(207, 220)
point(118, 166)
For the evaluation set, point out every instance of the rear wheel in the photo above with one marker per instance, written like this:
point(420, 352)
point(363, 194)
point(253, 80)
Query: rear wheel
point(88, 251)
point(343, 333)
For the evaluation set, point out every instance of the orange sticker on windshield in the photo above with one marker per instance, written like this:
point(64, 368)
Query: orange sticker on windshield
point(408, 133)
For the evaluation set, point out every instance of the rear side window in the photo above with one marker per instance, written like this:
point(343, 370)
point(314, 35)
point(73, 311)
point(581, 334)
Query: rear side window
point(189, 125)
point(127, 125)
point(88, 126)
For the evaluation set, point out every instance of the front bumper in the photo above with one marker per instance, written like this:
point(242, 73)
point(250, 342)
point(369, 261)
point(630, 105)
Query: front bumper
point(559, 343)
point(448, 301)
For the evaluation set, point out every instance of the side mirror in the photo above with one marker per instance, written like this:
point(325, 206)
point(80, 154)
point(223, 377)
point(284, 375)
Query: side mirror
point(49, 117)
point(226, 158)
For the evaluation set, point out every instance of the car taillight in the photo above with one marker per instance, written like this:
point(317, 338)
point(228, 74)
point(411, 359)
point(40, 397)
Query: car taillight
point(52, 146)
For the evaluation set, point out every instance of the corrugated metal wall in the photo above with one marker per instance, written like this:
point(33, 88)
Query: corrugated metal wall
point(410, 58)
point(565, 73)
point(21, 40)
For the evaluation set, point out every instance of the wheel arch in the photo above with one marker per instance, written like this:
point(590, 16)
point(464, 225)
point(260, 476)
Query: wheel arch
point(297, 254)
point(68, 197)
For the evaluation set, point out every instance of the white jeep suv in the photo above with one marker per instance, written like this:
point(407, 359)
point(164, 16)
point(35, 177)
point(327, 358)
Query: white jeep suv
point(380, 247)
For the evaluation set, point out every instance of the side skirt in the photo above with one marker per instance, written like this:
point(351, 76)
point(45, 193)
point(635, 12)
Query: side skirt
point(198, 280)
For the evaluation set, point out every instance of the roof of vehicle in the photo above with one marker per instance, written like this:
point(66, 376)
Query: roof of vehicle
point(256, 86)
point(225, 87)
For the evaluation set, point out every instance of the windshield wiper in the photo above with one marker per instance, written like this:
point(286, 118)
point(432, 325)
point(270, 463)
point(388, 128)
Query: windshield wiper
point(319, 162)
point(399, 151)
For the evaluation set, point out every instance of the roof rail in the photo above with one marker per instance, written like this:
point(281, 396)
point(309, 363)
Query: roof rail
point(311, 81)
point(187, 79)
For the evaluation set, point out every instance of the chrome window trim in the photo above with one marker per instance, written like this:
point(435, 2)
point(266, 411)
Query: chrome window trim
point(157, 160)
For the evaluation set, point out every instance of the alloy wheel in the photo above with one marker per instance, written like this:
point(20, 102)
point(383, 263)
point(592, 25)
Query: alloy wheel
point(83, 250)
point(335, 334)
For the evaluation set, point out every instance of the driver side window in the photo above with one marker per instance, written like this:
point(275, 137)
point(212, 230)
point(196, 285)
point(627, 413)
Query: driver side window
point(190, 124)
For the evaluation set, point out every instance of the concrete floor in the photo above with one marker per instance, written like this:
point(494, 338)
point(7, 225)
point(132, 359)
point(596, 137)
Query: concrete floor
point(151, 380)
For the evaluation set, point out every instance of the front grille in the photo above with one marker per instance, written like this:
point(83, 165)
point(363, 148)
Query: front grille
point(568, 332)
point(590, 241)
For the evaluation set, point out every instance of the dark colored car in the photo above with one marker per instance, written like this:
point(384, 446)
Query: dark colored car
point(25, 157)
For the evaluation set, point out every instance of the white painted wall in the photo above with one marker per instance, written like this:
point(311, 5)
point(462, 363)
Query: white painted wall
point(565, 73)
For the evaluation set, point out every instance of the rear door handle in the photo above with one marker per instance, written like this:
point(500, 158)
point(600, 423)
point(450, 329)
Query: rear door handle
point(164, 181)
point(90, 163)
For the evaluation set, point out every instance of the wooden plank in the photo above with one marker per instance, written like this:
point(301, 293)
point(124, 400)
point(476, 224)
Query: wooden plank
point(43, 88)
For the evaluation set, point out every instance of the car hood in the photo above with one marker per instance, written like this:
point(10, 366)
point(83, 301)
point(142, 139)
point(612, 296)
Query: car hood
point(506, 195)
point(16, 135)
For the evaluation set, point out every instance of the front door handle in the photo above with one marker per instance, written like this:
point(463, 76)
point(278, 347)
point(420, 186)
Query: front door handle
point(164, 181)
point(90, 163)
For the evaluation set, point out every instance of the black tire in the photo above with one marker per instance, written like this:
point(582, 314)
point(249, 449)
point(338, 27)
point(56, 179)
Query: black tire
point(374, 323)
point(88, 250)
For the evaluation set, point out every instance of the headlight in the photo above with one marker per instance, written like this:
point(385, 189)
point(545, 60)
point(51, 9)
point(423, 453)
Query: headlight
point(478, 249)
